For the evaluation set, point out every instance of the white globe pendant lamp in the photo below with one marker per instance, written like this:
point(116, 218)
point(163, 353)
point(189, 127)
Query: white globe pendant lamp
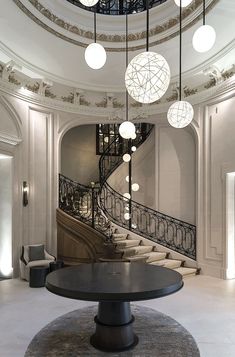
point(127, 129)
point(126, 196)
point(135, 187)
point(184, 3)
point(95, 54)
point(127, 216)
point(126, 157)
point(180, 114)
point(147, 76)
point(88, 3)
point(204, 37)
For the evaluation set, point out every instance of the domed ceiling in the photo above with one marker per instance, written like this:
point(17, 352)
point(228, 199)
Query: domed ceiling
point(48, 39)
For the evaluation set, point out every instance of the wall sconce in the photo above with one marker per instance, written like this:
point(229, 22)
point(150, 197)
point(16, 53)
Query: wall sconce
point(25, 193)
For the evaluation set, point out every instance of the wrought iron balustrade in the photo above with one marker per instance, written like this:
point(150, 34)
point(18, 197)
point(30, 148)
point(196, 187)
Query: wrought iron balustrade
point(82, 203)
point(118, 7)
point(163, 229)
point(109, 162)
point(170, 232)
point(99, 206)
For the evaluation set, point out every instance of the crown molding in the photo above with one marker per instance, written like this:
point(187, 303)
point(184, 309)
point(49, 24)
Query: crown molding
point(78, 36)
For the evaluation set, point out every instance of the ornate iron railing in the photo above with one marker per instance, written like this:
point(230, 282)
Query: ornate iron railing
point(109, 162)
point(118, 7)
point(82, 203)
point(99, 206)
point(168, 231)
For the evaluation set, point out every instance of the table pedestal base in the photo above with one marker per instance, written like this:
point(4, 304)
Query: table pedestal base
point(114, 331)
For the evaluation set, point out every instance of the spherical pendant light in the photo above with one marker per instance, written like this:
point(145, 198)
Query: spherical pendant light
point(127, 216)
point(127, 129)
point(126, 157)
point(127, 178)
point(133, 136)
point(180, 114)
point(95, 55)
point(184, 3)
point(127, 196)
point(88, 3)
point(147, 77)
point(135, 187)
point(133, 148)
point(204, 38)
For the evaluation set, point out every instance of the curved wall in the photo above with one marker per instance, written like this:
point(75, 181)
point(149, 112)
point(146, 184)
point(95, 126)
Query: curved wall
point(79, 161)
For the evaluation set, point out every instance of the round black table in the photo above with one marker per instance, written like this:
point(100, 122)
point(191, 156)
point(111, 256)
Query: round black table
point(114, 285)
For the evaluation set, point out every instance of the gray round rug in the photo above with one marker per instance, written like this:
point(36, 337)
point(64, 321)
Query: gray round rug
point(69, 335)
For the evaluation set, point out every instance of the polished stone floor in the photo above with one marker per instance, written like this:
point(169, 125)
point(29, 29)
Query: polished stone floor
point(205, 306)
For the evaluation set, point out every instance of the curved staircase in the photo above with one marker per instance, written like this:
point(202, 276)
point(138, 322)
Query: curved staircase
point(134, 250)
point(149, 236)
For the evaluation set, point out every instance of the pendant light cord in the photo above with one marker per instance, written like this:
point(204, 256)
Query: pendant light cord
point(95, 26)
point(147, 25)
point(180, 54)
point(204, 12)
point(126, 63)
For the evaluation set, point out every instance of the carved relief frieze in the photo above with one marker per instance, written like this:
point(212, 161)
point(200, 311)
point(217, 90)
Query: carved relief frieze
point(87, 34)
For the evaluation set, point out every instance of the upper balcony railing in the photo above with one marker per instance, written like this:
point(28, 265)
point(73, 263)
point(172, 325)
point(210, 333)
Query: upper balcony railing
point(118, 7)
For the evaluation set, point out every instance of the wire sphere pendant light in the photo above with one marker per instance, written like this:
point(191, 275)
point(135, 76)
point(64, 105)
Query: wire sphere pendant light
point(204, 37)
point(180, 113)
point(127, 129)
point(95, 54)
point(147, 76)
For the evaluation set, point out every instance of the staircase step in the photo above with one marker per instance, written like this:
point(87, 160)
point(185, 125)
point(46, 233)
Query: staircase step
point(117, 236)
point(186, 271)
point(136, 250)
point(127, 243)
point(153, 256)
point(168, 263)
point(137, 258)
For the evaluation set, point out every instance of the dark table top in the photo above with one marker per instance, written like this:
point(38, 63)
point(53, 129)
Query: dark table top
point(114, 282)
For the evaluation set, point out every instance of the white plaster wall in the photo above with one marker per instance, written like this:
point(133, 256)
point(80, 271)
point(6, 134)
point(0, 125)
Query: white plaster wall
point(5, 215)
point(176, 173)
point(79, 161)
point(219, 159)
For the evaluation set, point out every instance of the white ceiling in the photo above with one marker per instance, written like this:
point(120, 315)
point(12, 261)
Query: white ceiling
point(44, 54)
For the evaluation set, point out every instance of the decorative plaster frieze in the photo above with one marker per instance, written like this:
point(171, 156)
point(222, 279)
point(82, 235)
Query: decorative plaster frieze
point(78, 101)
point(87, 34)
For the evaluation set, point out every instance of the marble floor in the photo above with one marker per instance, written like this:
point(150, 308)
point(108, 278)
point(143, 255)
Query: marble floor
point(205, 306)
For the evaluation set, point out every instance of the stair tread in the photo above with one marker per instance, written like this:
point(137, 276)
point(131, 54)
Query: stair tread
point(138, 250)
point(137, 258)
point(128, 243)
point(186, 271)
point(116, 235)
point(152, 256)
point(168, 263)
